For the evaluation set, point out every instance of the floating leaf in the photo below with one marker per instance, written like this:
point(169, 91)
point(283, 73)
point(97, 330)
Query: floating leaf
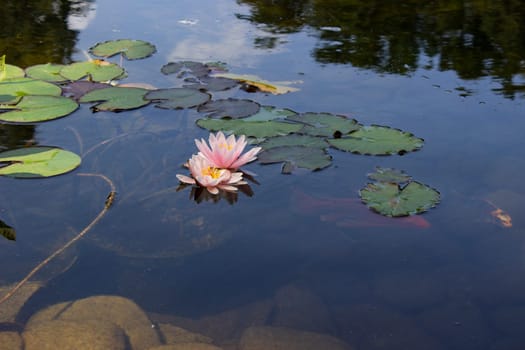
point(294, 140)
point(116, 98)
point(95, 70)
point(196, 69)
point(389, 175)
point(250, 129)
point(77, 89)
point(275, 88)
point(325, 124)
point(131, 49)
point(177, 98)
point(36, 162)
point(378, 140)
point(48, 72)
point(35, 108)
point(230, 108)
point(296, 156)
point(26, 86)
point(393, 200)
point(8, 71)
point(7, 231)
point(212, 84)
point(270, 113)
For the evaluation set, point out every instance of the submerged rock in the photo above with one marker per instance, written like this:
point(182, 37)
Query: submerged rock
point(10, 341)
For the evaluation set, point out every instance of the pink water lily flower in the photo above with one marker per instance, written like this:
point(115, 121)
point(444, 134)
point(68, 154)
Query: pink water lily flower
point(226, 153)
point(208, 175)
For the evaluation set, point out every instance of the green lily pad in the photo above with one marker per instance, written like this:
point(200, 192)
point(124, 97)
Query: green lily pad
point(294, 140)
point(95, 70)
point(389, 175)
point(47, 72)
point(251, 129)
point(211, 84)
point(131, 49)
point(116, 98)
point(271, 113)
point(11, 72)
point(7, 231)
point(393, 200)
point(36, 162)
point(296, 156)
point(77, 89)
point(325, 124)
point(176, 98)
point(230, 108)
point(183, 68)
point(26, 86)
point(377, 140)
point(33, 108)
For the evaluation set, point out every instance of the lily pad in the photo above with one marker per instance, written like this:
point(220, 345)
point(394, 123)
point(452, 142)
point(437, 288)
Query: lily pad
point(294, 140)
point(48, 72)
point(389, 175)
point(271, 113)
point(251, 129)
point(95, 70)
point(7, 231)
point(296, 156)
point(230, 108)
point(325, 124)
point(116, 98)
point(77, 89)
point(212, 84)
point(393, 200)
point(378, 140)
point(131, 49)
point(275, 88)
point(33, 108)
point(26, 86)
point(176, 98)
point(37, 162)
point(182, 68)
point(11, 72)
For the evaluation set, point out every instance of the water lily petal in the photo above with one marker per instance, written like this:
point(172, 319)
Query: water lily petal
point(186, 179)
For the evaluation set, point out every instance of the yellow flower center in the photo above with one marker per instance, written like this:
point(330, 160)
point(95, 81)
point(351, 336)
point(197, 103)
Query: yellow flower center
point(225, 145)
point(214, 173)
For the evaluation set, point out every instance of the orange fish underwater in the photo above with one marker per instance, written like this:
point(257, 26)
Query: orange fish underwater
point(350, 212)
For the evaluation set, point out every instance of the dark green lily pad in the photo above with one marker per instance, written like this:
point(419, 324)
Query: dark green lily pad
point(95, 70)
point(271, 113)
point(294, 140)
point(325, 124)
point(177, 98)
point(48, 72)
point(77, 89)
point(296, 156)
point(26, 86)
point(7, 231)
point(378, 140)
point(212, 84)
point(183, 68)
point(230, 108)
point(393, 200)
point(116, 98)
point(131, 49)
point(251, 129)
point(33, 108)
point(36, 162)
point(389, 175)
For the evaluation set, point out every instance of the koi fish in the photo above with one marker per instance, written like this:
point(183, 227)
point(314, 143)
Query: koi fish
point(350, 212)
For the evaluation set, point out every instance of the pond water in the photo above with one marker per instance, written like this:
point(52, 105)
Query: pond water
point(300, 251)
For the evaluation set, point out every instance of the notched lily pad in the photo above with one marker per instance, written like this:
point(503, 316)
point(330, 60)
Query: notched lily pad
point(259, 84)
point(294, 140)
point(131, 49)
point(389, 175)
point(325, 124)
point(230, 108)
point(116, 98)
point(378, 140)
point(393, 200)
point(95, 70)
point(26, 86)
point(255, 129)
point(177, 98)
point(7, 231)
point(296, 156)
point(37, 162)
point(271, 113)
point(33, 108)
point(47, 72)
point(183, 68)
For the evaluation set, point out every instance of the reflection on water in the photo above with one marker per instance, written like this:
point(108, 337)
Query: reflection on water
point(297, 260)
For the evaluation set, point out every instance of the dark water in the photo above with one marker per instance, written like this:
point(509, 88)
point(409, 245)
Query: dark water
point(449, 72)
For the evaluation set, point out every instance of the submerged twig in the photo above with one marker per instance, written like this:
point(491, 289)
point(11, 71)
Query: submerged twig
point(109, 201)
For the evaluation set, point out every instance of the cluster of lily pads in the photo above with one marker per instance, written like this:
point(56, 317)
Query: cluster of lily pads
point(297, 140)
